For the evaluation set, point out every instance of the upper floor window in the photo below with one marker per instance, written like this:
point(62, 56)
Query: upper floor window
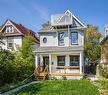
point(10, 43)
point(61, 38)
point(9, 29)
point(74, 38)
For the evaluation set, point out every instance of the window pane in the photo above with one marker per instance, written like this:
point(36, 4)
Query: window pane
point(74, 38)
point(10, 42)
point(9, 28)
point(74, 60)
point(61, 38)
point(60, 60)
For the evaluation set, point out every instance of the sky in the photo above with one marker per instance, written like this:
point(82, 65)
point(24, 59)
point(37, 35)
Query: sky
point(33, 13)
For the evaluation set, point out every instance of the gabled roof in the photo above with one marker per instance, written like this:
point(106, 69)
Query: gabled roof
point(21, 29)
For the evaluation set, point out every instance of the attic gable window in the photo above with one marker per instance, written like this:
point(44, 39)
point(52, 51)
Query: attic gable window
point(9, 29)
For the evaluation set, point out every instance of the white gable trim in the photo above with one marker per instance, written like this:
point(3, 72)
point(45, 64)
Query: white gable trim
point(68, 12)
point(8, 21)
point(79, 21)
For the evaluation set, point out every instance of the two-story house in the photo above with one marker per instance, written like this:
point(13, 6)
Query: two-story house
point(62, 46)
point(14, 34)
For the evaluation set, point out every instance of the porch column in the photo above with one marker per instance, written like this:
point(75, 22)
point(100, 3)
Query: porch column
point(81, 62)
point(36, 60)
point(50, 63)
point(41, 60)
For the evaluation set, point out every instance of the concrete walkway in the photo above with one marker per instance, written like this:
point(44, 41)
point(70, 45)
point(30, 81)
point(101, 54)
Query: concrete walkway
point(19, 88)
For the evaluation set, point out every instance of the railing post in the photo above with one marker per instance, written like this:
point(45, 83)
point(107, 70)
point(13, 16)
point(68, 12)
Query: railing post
point(81, 62)
point(50, 63)
point(41, 60)
point(36, 60)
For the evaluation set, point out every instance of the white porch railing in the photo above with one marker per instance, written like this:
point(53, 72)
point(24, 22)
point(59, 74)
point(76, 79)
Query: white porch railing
point(65, 70)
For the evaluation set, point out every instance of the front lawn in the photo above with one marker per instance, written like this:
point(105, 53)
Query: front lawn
point(61, 87)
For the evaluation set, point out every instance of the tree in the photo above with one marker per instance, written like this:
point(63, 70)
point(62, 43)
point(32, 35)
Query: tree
point(46, 25)
point(25, 59)
point(0, 27)
point(104, 50)
point(92, 44)
point(2, 36)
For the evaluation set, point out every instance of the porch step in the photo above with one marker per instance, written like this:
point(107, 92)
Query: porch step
point(41, 76)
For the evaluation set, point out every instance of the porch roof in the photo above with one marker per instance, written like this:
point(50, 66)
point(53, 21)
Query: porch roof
point(59, 49)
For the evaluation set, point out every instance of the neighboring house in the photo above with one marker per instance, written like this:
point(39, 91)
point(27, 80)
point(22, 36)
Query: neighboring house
point(62, 46)
point(14, 34)
point(104, 47)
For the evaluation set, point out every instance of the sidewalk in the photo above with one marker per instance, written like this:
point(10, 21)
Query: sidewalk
point(19, 88)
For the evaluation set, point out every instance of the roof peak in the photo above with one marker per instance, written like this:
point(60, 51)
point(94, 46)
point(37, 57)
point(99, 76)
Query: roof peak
point(68, 11)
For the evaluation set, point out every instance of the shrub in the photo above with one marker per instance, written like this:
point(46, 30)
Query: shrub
point(103, 70)
point(18, 66)
point(63, 78)
point(7, 67)
point(25, 59)
point(53, 78)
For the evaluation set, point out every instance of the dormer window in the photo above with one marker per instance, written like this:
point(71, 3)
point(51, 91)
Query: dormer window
point(9, 29)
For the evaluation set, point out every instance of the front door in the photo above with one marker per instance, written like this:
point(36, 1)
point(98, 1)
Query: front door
point(45, 62)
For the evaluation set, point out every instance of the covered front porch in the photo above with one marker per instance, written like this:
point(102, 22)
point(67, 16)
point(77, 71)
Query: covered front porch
point(61, 63)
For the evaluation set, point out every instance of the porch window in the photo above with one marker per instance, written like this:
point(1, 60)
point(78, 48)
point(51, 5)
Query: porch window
point(10, 42)
point(74, 60)
point(61, 38)
point(74, 38)
point(60, 60)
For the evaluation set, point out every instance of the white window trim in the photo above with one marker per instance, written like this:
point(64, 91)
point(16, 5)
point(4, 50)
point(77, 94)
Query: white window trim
point(61, 44)
point(12, 38)
point(9, 27)
point(71, 38)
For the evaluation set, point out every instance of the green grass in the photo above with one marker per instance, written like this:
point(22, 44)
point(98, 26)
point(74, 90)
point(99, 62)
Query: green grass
point(61, 87)
point(103, 85)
